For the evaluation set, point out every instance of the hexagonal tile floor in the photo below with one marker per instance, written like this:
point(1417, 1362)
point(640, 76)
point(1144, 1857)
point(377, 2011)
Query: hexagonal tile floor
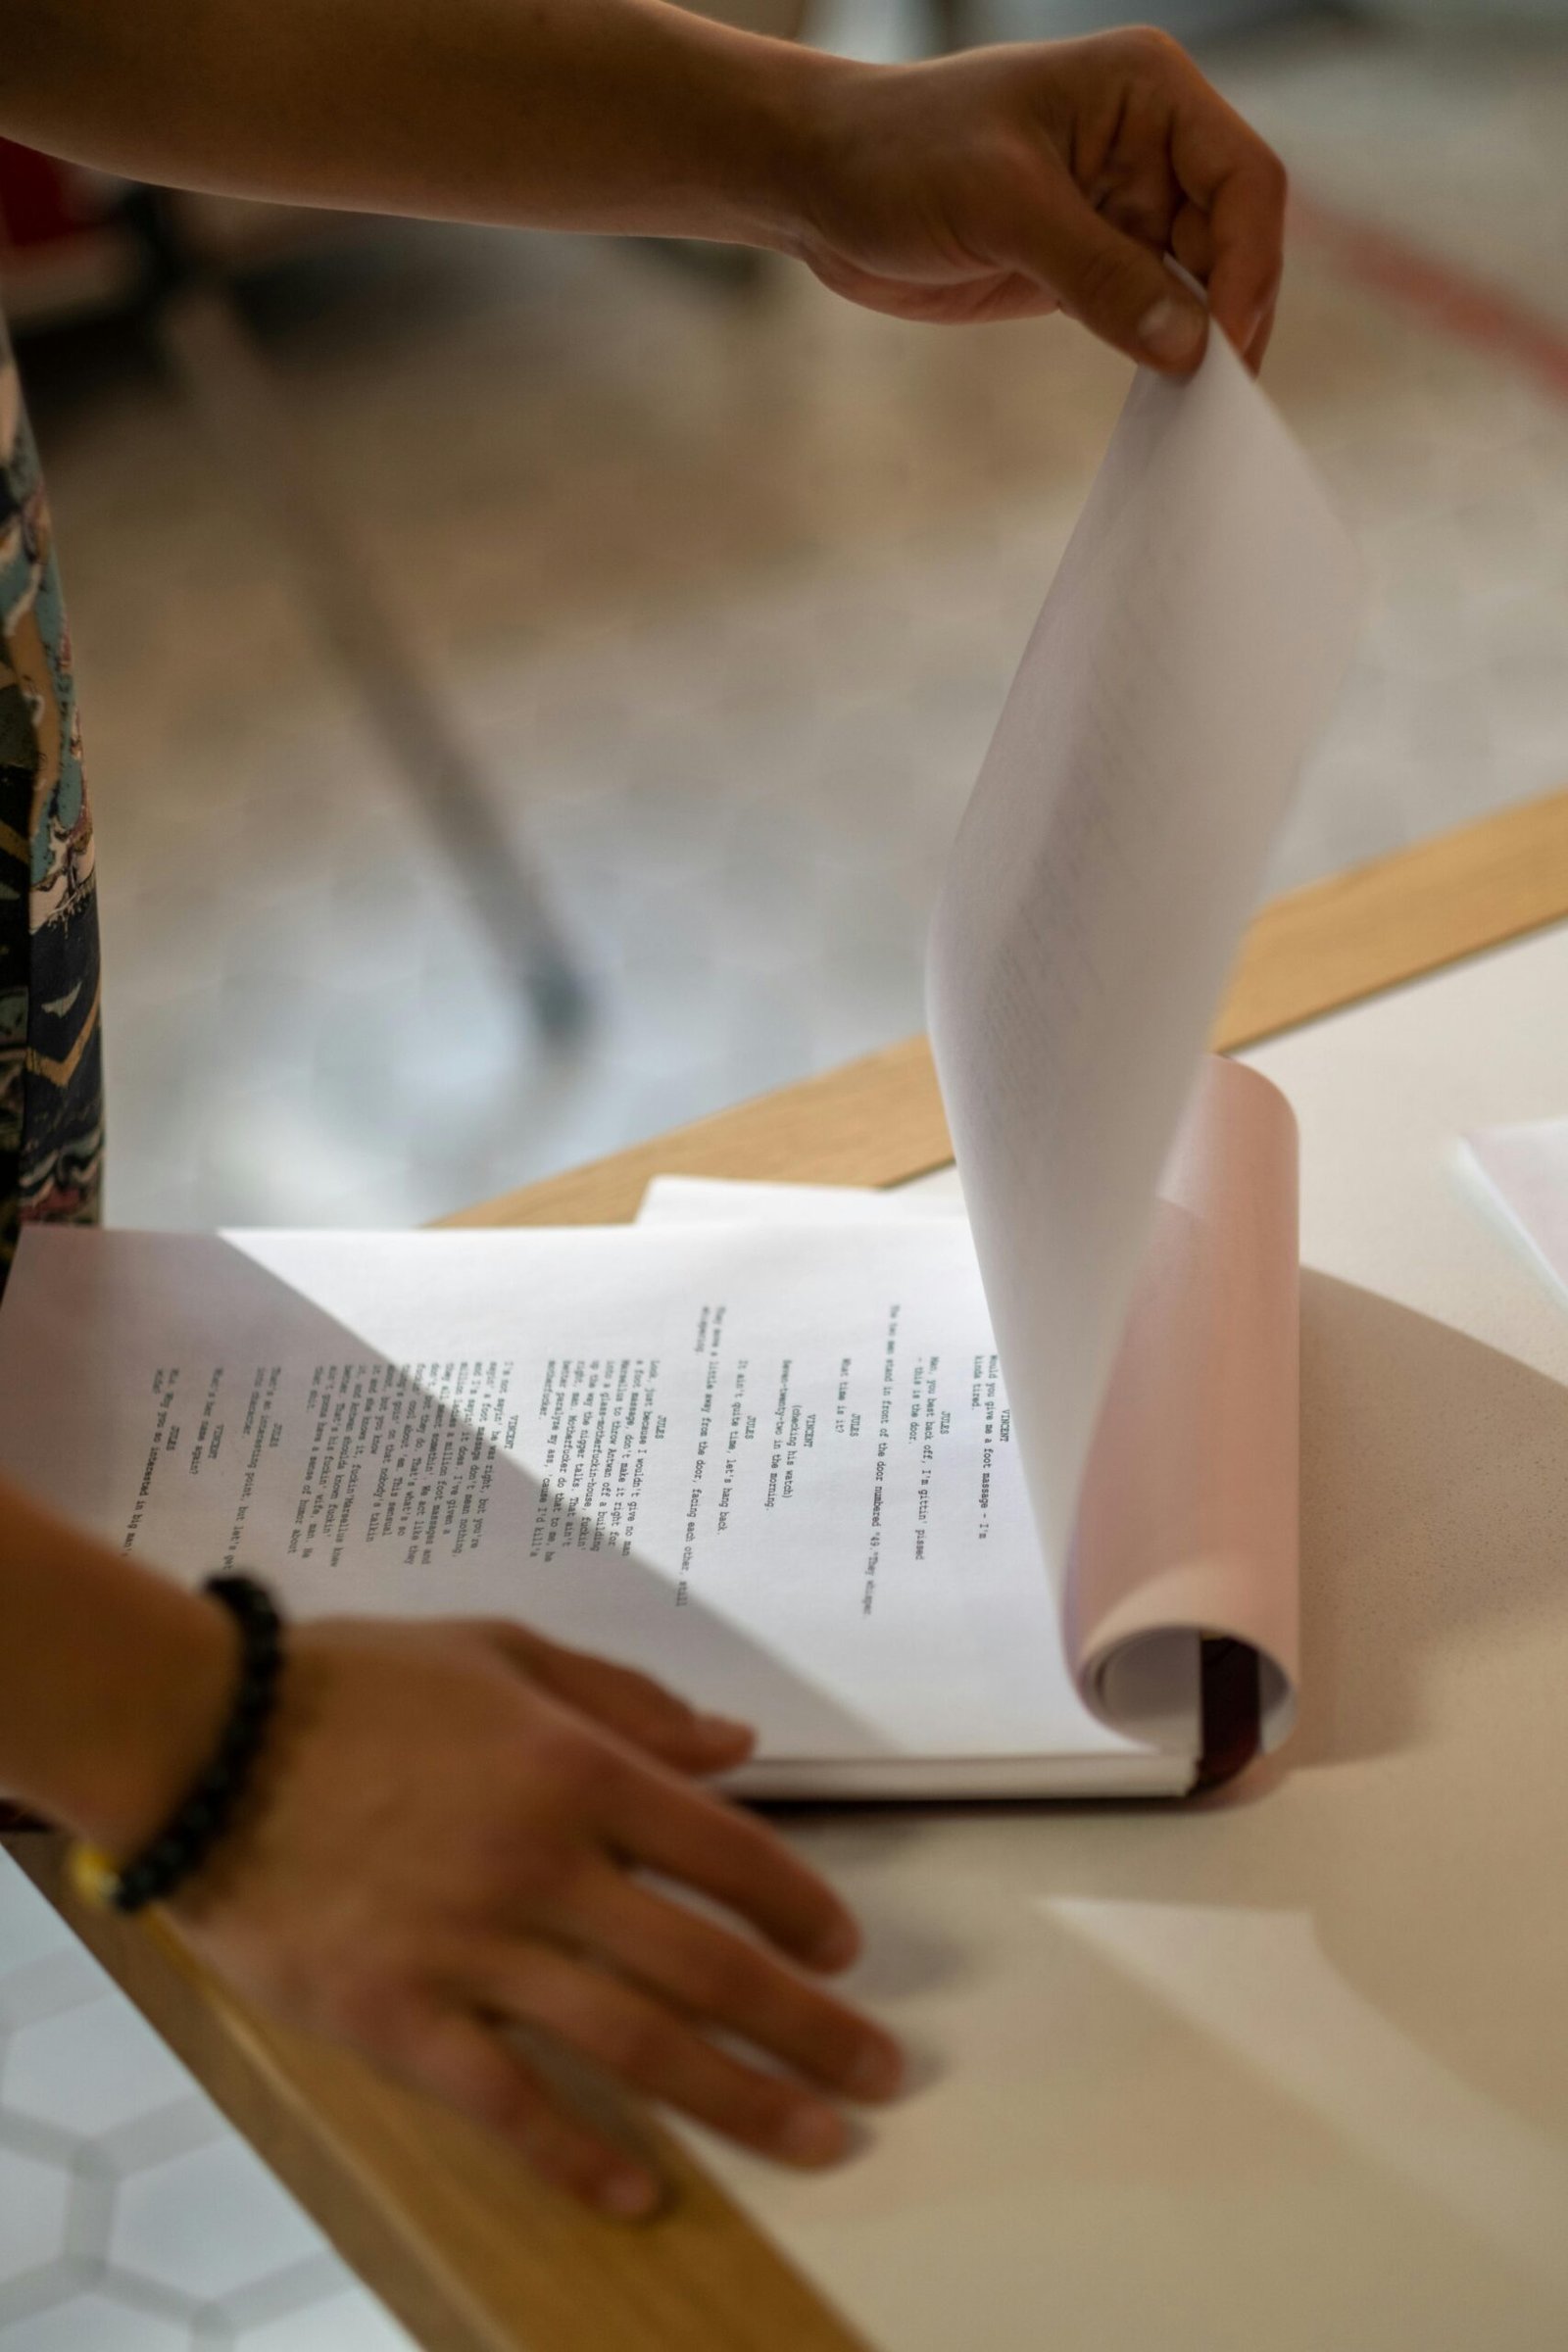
point(132, 2219)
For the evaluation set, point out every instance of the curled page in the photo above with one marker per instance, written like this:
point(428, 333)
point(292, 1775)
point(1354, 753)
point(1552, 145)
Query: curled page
point(1189, 1515)
point(1110, 854)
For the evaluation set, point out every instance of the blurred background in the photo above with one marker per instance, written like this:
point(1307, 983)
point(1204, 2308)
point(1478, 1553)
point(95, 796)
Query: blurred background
point(567, 740)
point(529, 687)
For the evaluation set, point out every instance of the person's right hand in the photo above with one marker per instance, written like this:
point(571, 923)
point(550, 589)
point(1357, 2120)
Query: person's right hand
point(1006, 184)
point(450, 1836)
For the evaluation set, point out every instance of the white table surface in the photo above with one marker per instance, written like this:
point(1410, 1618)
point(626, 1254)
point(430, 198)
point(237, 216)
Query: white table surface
point(1290, 2070)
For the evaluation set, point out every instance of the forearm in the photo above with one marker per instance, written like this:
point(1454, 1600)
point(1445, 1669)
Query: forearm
point(113, 1682)
point(610, 115)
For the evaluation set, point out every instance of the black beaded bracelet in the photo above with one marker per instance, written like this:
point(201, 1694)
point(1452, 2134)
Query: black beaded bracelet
point(184, 1843)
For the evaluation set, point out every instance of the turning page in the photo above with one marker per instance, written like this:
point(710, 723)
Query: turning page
point(1188, 1517)
point(1114, 848)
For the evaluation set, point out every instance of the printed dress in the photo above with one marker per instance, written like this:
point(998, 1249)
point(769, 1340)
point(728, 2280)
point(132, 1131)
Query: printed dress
point(51, 1065)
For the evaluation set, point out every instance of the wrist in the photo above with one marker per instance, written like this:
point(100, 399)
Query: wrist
point(179, 1677)
point(162, 1866)
point(131, 1712)
point(114, 1682)
point(760, 161)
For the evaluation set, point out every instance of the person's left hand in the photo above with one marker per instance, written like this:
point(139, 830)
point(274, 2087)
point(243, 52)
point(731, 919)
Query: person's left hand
point(457, 1830)
point(1007, 182)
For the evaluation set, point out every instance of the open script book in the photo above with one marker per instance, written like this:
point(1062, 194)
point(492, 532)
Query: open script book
point(944, 1504)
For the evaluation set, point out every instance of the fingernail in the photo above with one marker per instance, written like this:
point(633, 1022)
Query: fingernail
point(1171, 331)
point(810, 2136)
point(836, 1947)
point(627, 2194)
point(876, 2073)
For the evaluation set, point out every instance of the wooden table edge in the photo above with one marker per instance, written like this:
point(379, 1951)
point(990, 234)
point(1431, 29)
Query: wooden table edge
point(446, 2227)
point(1308, 953)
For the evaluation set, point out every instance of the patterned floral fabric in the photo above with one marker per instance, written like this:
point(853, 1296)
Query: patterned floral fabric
point(51, 1067)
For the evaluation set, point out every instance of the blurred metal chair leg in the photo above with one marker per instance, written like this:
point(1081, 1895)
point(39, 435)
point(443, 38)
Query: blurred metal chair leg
point(203, 336)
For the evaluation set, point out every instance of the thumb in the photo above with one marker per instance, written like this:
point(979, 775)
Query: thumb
point(1119, 289)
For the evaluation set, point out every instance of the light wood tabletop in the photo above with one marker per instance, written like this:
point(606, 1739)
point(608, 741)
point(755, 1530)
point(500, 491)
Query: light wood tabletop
point(445, 2225)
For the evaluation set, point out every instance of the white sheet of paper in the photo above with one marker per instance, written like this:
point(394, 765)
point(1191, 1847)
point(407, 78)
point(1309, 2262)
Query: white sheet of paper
point(1525, 1171)
point(775, 1468)
point(1198, 627)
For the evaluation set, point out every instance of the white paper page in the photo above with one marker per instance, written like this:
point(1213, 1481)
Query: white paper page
point(774, 1468)
point(1112, 850)
point(1524, 1171)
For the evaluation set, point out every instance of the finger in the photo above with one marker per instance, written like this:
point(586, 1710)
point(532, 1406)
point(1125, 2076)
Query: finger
point(1139, 214)
point(690, 1835)
point(1247, 219)
point(1136, 188)
point(465, 2063)
point(629, 1703)
point(1119, 289)
point(1229, 174)
point(730, 1982)
point(1260, 344)
point(646, 2043)
point(1192, 241)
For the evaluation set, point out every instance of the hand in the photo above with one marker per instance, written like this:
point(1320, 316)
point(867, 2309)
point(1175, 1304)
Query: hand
point(449, 1838)
point(1009, 182)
